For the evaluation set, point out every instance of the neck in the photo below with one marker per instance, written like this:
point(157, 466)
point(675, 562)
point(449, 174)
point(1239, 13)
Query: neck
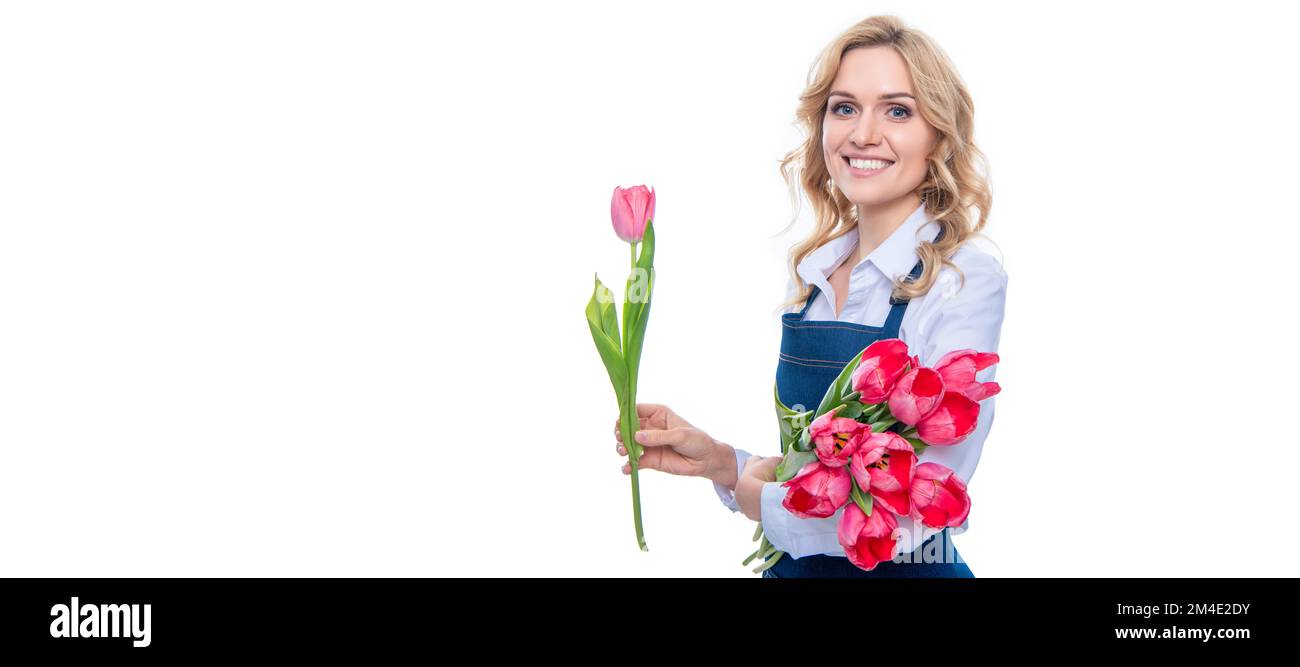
point(876, 223)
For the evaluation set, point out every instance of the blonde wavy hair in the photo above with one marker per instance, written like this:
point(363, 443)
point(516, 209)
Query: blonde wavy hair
point(954, 183)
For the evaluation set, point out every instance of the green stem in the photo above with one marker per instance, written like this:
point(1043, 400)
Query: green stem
point(630, 424)
point(769, 563)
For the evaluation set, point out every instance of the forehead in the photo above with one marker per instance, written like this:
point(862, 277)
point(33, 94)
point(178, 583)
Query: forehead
point(873, 71)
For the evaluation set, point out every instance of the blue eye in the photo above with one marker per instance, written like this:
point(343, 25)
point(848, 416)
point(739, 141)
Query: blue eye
point(907, 113)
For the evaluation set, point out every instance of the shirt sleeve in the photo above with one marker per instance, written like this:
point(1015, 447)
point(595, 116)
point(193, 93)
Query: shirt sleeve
point(728, 496)
point(968, 316)
point(796, 536)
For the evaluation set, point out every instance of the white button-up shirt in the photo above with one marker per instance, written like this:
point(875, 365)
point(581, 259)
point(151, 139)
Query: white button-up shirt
point(949, 317)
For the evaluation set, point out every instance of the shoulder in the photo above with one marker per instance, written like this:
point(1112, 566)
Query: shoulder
point(981, 265)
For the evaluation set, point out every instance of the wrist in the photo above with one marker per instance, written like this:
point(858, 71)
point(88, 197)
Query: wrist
point(722, 465)
point(749, 494)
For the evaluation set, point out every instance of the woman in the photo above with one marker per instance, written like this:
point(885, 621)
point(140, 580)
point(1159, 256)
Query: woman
point(890, 168)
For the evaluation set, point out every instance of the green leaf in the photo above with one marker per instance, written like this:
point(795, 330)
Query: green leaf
point(635, 300)
point(804, 443)
point(606, 314)
point(835, 392)
point(862, 500)
point(792, 463)
point(636, 306)
point(781, 409)
point(918, 445)
point(851, 410)
point(883, 424)
point(606, 345)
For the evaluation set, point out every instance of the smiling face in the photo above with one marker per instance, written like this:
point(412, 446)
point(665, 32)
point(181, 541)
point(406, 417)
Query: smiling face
point(872, 114)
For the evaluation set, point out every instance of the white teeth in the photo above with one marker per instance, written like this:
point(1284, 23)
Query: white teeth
point(869, 164)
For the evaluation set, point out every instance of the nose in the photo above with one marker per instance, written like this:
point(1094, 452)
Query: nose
point(865, 132)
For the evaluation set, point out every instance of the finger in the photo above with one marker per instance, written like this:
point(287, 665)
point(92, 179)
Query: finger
point(659, 438)
point(648, 409)
point(622, 451)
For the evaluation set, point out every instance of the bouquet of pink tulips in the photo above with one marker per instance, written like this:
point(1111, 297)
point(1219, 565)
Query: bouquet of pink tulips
point(633, 211)
point(860, 450)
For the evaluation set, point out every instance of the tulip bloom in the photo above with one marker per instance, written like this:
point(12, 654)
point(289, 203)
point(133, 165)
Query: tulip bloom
point(868, 540)
point(883, 362)
point(917, 394)
point(958, 370)
point(836, 438)
point(817, 491)
point(630, 209)
point(883, 467)
point(939, 497)
point(950, 422)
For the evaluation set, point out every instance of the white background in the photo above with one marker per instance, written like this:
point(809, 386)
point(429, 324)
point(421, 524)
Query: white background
point(297, 288)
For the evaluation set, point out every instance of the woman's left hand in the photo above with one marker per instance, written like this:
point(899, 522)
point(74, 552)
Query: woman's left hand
point(758, 471)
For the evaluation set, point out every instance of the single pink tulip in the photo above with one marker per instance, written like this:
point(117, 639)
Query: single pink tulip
point(883, 467)
point(950, 422)
point(817, 491)
point(917, 393)
point(958, 370)
point(868, 540)
point(836, 438)
point(883, 362)
point(939, 498)
point(630, 209)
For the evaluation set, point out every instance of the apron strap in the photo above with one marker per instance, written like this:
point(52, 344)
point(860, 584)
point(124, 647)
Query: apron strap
point(897, 306)
point(806, 304)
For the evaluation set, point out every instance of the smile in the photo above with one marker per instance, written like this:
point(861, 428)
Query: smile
point(864, 168)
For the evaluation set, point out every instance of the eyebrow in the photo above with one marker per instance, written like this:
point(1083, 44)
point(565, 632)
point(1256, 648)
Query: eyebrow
point(886, 96)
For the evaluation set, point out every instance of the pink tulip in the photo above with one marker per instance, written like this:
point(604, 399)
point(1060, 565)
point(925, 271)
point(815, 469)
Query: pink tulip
point(939, 497)
point(630, 209)
point(950, 422)
point(883, 466)
point(868, 540)
point(836, 438)
point(883, 362)
point(959, 368)
point(817, 491)
point(917, 393)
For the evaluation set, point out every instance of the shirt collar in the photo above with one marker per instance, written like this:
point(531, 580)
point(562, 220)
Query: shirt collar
point(894, 257)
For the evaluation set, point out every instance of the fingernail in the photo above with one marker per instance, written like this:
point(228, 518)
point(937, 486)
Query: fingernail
point(640, 436)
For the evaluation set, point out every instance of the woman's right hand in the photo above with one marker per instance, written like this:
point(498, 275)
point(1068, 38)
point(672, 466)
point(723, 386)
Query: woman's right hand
point(670, 443)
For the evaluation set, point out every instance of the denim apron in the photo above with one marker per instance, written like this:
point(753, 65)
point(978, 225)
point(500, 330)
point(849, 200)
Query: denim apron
point(812, 355)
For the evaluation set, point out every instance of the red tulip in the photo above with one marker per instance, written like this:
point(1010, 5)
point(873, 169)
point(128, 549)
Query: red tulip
point(883, 466)
point(868, 540)
point(817, 491)
point(950, 422)
point(939, 497)
point(959, 368)
point(917, 393)
point(630, 209)
point(836, 438)
point(883, 362)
